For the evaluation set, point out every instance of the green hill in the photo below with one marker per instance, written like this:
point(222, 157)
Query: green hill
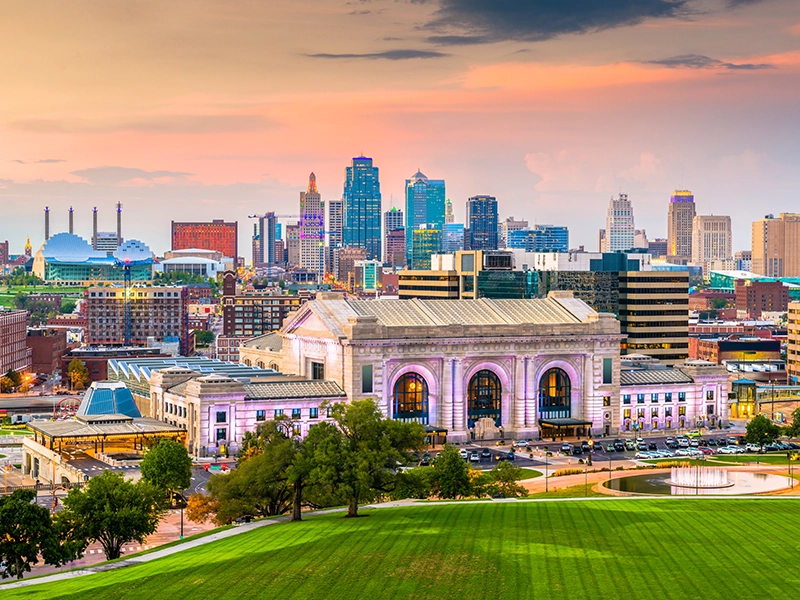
point(610, 549)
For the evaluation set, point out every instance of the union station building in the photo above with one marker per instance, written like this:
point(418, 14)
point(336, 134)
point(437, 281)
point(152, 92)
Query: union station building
point(466, 369)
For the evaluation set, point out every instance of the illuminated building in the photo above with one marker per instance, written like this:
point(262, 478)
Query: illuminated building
point(216, 235)
point(312, 229)
point(362, 207)
point(680, 218)
point(425, 205)
point(482, 221)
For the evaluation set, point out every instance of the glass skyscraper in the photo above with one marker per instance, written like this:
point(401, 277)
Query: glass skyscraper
point(425, 205)
point(482, 220)
point(362, 208)
point(541, 238)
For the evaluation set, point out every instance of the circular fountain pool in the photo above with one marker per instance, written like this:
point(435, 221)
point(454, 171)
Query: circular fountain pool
point(737, 483)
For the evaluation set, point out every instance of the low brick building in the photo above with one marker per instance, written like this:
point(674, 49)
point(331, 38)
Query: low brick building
point(47, 346)
point(14, 353)
point(753, 298)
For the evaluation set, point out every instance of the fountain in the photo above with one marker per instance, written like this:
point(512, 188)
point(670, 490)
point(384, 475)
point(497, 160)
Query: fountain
point(699, 477)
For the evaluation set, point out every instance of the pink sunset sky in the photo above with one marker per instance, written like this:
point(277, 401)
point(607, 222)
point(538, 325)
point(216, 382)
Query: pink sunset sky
point(201, 109)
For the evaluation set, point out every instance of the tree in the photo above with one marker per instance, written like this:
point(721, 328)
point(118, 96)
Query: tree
point(15, 377)
point(78, 374)
point(203, 337)
point(718, 303)
point(26, 531)
point(68, 306)
point(451, 474)
point(413, 483)
point(21, 301)
point(111, 510)
point(6, 385)
point(167, 466)
point(505, 476)
point(358, 452)
point(793, 430)
point(760, 430)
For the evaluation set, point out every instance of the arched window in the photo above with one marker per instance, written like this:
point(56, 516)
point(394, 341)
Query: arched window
point(274, 366)
point(484, 398)
point(555, 392)
point(411, 398)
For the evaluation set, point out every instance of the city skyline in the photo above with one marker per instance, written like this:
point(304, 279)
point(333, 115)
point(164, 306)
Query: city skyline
point(165, 130)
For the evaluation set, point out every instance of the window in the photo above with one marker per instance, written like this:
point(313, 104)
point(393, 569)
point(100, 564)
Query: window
point(710, 409)
point(313, 413)
point(626, 399)
point(682, 410)
point(653, 397)
point(626, 414)
point(278, 412)
point(668, 397)
point(222, 416)
point(606, 400)
point(296, 413)
point(366, 379)
point(608, 370)
point(681, 396)
point(668, 411)
point(640, 413)
point(555, 395)
point(654, 412)
point(709, 394)
point(221, 434)
point(261, 415)
point(317, 370)
point(411, 398)
point(639, 398)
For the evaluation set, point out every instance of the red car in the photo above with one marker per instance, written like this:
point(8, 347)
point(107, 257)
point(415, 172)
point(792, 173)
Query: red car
point(705, 450)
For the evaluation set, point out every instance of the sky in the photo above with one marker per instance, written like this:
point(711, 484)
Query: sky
point(202, 109)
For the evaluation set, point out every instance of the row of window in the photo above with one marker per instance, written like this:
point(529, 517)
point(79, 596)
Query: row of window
point(640, 412)
point(626, 398)
point(261, 415)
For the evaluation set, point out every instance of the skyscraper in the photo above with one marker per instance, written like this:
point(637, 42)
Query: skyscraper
point(711, 238)
point(312, 229)
point(425, 205)
point(620, 230)
point(482, 220)
point(452, 237)
point(449, 215)
point(776, 245)
point(510, 224)
point(680, 218)
point(335, 223)
point(362, 207)
point(392, 222)
point(264, 237)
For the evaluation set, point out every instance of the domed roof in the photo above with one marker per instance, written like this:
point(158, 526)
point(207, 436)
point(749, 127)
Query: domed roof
point(133, 251)
point(68, 247)
point(419, 176)
point(108, 398)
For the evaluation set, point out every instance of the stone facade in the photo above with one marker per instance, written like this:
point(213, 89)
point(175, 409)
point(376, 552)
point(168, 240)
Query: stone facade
point(447, 344)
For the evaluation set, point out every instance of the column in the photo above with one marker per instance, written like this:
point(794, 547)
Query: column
point(530, 397)
point(386, 392)
point(445, 416)
point(519, 394)
point(459, 401)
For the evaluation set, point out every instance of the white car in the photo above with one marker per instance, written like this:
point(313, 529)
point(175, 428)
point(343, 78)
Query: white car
point(753, 448)
point(643, 455)
point(521, 443)
point(464, 454)
point(683, 452)
point(727, 450)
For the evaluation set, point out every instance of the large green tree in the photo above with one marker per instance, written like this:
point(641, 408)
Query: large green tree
point(793, 430)
point(111, 510)
point(26, 533)
point(167, 466)
point(451, 474)
point(505, 476)
point(760, 430)
point(357, 453)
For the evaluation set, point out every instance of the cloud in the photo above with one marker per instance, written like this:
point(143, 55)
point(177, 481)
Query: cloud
point(41, 161)
point(149, 124)
point(483, 21)
point(698, 61)
point(117, 175)
point(387, 55)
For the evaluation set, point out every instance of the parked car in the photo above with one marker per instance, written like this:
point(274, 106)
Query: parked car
point(652, 446)
point(683, 452)
point(712, 443)
point(706, 450)
point(610, 447)
point(642, 455)
point(693, 433)
point(752, 448)
point(629, 445)
point(566, 448)
point(426, 460)
point(521, 443)
point(727, 450)
point(585, 446)
point(619, 446)
point(671, 444)
point(474, 457)
point(693, 443)
point(576, 450)
point(486, 454)
point(683, 443)
point(463, 453)
point(510, 456)
point(641, 446)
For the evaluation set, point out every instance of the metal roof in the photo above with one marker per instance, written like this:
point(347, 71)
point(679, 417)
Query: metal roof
point(310, 388)
point(124, 427)
point(653, 377)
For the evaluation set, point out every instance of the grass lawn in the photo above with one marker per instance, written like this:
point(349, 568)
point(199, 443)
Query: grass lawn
point(16, 432)
point(654, 549)
point(573, 491)
point(529, 474)
point(734, 459)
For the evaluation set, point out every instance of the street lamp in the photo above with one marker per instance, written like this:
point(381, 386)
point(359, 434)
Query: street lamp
point(545, 470)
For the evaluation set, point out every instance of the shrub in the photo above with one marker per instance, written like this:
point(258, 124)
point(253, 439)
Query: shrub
point(562, 472)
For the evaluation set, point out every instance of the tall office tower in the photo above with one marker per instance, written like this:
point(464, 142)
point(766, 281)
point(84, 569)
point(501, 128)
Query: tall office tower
point(482, 220)
point(264, 252)
point(744, 260)
point(654, 314)
point(392, 221)
point(680, 218)
point(427, 242)
point(362, 207)
point(452, 237)
point(46, 223)
point(293, 245)
point(620, 235)
point(510, 224)
point(395, 248)
point(425, 205)
point(257, 248)
point(776, 246)
point(640, 239)
point(312, 229)
point(216, 235)
point(711, 238)
point(449, 215)
point(335, 223)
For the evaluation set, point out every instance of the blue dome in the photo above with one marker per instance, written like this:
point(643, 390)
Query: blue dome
point(108, 398)
point(68, 247)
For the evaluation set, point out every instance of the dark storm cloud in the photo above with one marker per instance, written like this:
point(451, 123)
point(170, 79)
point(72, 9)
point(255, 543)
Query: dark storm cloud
point(483, 21)
point(387, 55)
point(698, 61)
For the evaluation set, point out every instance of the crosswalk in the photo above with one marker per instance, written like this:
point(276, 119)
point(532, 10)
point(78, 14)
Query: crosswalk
point(127, 550)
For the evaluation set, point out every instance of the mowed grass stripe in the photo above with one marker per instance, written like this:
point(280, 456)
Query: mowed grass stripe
point(653, 549)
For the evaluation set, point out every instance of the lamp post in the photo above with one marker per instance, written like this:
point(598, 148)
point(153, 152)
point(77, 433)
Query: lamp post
point(545, 470)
